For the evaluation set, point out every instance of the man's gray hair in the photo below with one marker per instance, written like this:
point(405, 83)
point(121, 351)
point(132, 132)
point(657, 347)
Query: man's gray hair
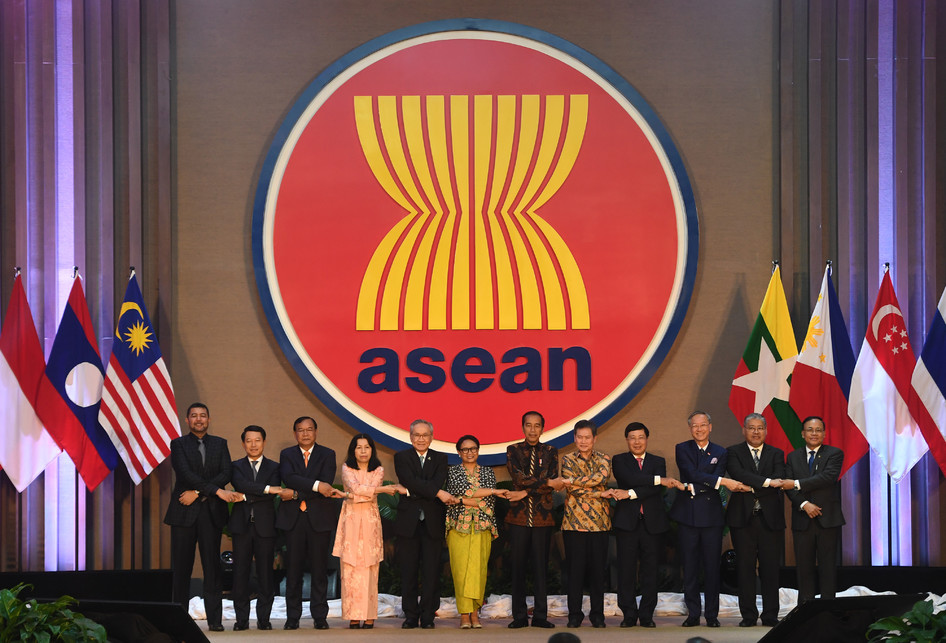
point(419, 421)
point(755, 416)
point(695, 413)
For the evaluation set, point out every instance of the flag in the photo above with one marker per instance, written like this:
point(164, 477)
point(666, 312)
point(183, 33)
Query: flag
point(25, 446)
point(761, 382)
point(138, 409)
point(71, 410)
point(821, 381)
point(928, 391)
point(880, 387)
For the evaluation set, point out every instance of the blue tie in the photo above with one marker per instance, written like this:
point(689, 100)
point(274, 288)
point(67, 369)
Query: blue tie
point(811, 461)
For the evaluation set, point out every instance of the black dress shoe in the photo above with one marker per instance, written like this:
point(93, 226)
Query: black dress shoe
point(408, 624)
point(573, 623)
point(427, 626)
point(265, 625)
point(321, 624)
point(216, 627)
point(541, 622)
point(770, 622)
point(598, 624)
point(291, 625)
point(692, 621)
point(747, 622)
point(648, 624)
point(712, 622)
point(518, 623)
point(629, 622)
point(240, 626)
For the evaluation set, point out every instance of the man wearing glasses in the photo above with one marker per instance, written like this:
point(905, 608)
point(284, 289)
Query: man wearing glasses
point(814, 489)
point(420, 524)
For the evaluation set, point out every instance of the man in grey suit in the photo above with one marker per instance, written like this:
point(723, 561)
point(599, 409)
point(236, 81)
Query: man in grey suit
point(197, 511)
point(757, 520)
point(252, 525)
point(814, 489)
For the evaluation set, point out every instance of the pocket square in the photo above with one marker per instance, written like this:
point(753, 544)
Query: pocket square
point(714, 460)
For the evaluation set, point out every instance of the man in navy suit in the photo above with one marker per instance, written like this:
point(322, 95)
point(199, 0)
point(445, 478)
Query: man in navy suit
point(639, 520)
point(699, 514)
point(252, 525)
point(814, 489)
point(420, 524)
point(757, 520)
point(197, 511)
point(308, 519)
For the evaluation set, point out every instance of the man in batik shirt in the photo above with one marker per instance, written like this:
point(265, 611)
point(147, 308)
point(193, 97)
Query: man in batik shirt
point(587, 523)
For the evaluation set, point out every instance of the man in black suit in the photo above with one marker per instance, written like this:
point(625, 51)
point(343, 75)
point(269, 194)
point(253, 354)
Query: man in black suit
point(757, 520)
point(252, 525)
point(814, 489)
point(197, 511)
point(699, 515)
point(639, 520)
point(420, 524)
point(308, 518)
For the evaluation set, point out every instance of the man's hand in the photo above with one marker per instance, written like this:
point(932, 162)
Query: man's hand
point(516, 496)
point(188, 497)
point(775, 483)
point(446, 498)
point(672, 482)
point(557, 483)
point(787, 484)
point(284, 493)
point(734, 485)
point(229, 496)
point(617, 494)
point(338, 493)
point(812, 510)
point(327, 490)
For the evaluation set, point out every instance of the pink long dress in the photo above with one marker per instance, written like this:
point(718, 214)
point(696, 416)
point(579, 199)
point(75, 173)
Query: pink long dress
point(358, 544)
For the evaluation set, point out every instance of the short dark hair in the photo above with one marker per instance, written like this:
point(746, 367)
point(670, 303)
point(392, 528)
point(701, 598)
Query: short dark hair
point(464, 438)
point(252, 429)
point(351, 462)
point(814, 417)
point(636, 426)
point(586, 424)
point(197, 405)
point(528, 413)
point(300, 420)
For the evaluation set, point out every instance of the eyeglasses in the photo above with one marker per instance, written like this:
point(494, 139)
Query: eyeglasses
point(813, 430)
point(421, 436)
point(468, 449)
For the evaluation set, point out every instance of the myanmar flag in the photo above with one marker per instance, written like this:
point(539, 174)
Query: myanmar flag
point(761, 383)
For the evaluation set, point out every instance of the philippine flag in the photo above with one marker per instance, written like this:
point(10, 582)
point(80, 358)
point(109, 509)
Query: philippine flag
point(928, 394)
point(821, 381)
point(70, 412)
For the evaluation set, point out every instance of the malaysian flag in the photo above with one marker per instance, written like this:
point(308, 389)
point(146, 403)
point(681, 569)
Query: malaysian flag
point(138, 410)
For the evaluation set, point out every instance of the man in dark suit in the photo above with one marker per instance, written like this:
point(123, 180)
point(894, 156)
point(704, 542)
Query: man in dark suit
point(757, 520)
point(814, 489)
point(252, 525)
point(699, 514)
point(197, 511)
point(308, 519)
point(420, 524)
point(639, 519)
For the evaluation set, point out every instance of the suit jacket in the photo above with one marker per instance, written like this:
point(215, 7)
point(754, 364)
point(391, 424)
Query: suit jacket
point(630, 475)
point(262, 505)
point(705, 509)
point(321, 512)
point(821, 486)
point(742, 468)
point(206, 479)
point(423, 485)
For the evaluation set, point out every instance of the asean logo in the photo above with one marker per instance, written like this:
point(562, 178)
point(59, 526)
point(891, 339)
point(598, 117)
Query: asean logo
point(468, 219)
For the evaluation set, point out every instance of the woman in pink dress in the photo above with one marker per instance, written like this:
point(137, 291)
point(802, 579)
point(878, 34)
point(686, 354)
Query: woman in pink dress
point(358, 540)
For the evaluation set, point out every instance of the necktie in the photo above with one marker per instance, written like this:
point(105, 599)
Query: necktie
point(202, 450)
point(253, 465)
point(755, 458)
point(423, 458)
point(640, 464)
point(811, 461)
point(305, 458)
point(756, 505)
point(532, 462)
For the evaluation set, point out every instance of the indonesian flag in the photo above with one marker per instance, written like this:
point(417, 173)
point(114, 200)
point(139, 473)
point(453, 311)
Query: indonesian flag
point(761, 383)
point(821, 381)
point(881, 387)
point(25, 446)
point(928, 393)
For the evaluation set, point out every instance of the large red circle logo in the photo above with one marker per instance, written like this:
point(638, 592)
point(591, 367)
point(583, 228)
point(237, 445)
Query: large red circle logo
point(466, 220)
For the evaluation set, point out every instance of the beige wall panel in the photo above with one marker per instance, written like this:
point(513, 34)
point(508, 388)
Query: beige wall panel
point(240, 65)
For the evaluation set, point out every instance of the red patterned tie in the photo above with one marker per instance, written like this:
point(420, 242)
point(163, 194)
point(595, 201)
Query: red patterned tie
point(640, 463)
